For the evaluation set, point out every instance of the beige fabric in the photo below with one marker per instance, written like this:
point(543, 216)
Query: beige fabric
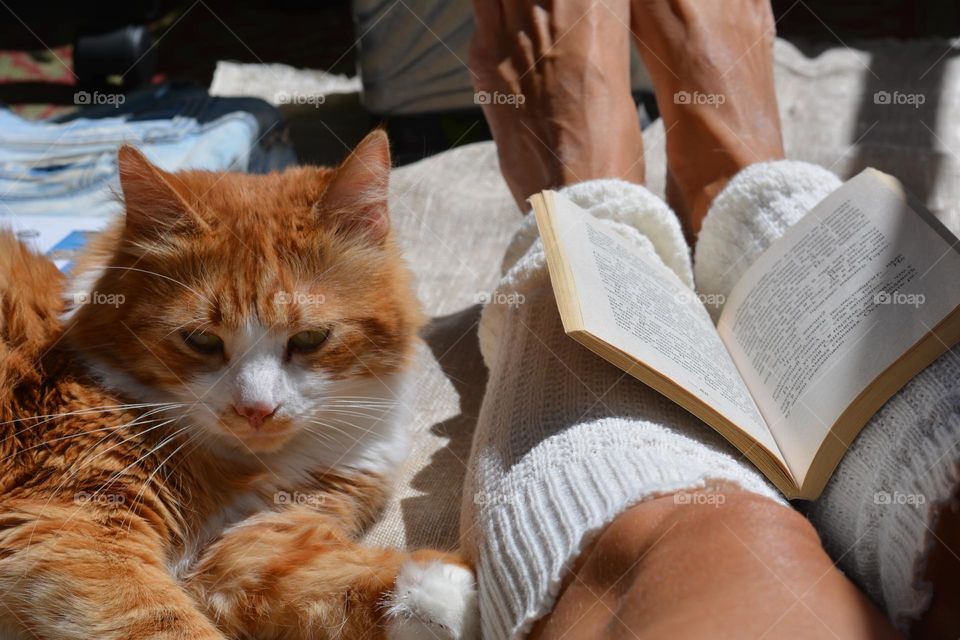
point(454, 217)
point(454, 225)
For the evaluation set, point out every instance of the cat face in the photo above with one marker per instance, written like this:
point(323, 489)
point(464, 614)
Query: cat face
point(264, 306)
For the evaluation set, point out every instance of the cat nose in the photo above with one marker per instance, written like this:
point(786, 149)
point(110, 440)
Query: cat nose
point(256, 413)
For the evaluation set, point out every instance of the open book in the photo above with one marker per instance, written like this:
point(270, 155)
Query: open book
point(823, 328)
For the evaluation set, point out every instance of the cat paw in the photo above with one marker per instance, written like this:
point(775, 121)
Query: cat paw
point(435, 600)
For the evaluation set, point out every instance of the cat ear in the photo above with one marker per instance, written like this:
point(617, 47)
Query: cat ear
point(153, 204)
point(356, 197)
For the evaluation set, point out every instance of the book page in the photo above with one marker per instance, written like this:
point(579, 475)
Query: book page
point(634, 303)
point(834, 303)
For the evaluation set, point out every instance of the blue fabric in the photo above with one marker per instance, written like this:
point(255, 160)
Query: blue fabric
point(70, 168)
point(272, 152)
point(58, 180)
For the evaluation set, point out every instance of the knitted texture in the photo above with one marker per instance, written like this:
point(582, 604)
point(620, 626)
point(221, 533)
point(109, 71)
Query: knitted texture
point(753, 210)
point(876, 514)
point(565, 441)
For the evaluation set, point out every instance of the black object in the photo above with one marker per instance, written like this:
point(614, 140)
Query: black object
point(127, 53)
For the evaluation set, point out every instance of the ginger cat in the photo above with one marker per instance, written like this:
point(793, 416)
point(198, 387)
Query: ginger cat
point(198, 430)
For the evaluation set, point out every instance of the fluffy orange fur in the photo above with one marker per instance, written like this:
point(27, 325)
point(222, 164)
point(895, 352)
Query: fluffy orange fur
point(117, 519)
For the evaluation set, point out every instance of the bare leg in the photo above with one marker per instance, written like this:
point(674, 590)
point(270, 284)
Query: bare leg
point(546, 62)
point(740, 566)
point(712, 70)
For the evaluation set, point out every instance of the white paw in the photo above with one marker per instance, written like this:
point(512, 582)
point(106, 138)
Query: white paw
point(433, 601)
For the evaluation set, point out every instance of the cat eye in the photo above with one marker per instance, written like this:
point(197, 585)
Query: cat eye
point(207, 343)
point(308, 341)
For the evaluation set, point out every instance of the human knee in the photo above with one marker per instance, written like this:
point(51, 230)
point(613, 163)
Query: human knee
point(702, 523)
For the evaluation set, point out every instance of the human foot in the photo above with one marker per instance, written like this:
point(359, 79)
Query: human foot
point(712, 70)
point(553, 79)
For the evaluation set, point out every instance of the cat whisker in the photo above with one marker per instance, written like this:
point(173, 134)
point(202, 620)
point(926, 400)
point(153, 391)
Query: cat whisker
point(197, 403)
point(359, 405)
point(146, 483)
point(326, 438)
point(343, 407)
point(83, 433)
point(102, 409)
point(140, 459)
point(323, 438)
point(33, 426)
point(339, 430)
point(133, 422)
point(83, 461)
point(357, 414)
point(372, 407)
point(76, 467)
point(348, 423)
